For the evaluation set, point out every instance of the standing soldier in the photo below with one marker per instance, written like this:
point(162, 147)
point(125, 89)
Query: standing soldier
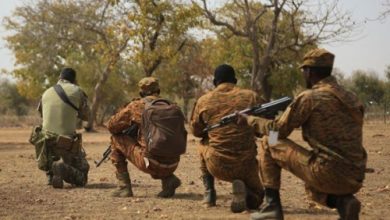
point(58, 146)
point(227, 153)
point(136, 145)
point(331, 119)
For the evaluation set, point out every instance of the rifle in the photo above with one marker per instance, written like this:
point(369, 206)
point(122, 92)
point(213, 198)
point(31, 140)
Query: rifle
point(132, 131)
point(106, 153)
point(267, 110)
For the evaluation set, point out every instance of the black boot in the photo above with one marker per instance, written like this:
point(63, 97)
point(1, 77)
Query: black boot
point(347, 206)
point(169, 185)
point(239, 197)
point(253, 200)
point(210, 195)
point(272, 208)
point(64, 172)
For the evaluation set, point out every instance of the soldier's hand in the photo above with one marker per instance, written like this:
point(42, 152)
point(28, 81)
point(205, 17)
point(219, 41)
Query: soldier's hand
point(241, 119)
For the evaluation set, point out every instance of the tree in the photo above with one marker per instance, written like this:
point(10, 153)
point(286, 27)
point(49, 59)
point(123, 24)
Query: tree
point(191, 68)
point(158, 30)
point(276, 28)
point(52, 34)
point(368, 87)
point(10, 99)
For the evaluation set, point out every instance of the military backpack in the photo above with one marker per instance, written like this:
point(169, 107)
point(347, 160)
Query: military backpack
point(162, 124)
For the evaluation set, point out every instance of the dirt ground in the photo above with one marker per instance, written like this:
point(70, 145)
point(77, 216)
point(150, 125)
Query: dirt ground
point(25, 195)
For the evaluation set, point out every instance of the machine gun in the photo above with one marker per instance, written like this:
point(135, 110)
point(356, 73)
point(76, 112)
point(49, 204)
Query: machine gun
point(131, 131)
point(267, 110)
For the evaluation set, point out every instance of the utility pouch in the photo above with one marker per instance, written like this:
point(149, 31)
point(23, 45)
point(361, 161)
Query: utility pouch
point(64, 142)
point(35, 134)
point(39, 140)
point(77, 143)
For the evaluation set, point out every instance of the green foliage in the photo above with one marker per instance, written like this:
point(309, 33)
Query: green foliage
point(369, 88)
point(11, 101)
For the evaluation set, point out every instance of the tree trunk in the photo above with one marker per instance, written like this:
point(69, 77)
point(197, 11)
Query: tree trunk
point(97, 97)
point(186, 101)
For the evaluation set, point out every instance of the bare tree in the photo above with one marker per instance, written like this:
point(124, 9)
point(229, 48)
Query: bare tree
point(305, 23)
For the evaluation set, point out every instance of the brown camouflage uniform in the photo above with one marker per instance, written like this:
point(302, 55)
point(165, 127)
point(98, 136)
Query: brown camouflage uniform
point(134, 149)
point(227, 152)
point(331, 119)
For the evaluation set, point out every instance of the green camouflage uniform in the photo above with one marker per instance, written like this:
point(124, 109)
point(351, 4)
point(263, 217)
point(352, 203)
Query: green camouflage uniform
point(331, 119)
point(60, 119)
point(227, 152)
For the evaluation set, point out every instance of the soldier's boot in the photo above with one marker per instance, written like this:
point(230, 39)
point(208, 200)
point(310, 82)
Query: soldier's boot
point(124, 186)
point(253, 200)
point(64, 172)
point(49, 176)
point(57, 180)
point(169, 185)
point(210, 195)
point(347, 206)
point(272, 208)
point(239, 197)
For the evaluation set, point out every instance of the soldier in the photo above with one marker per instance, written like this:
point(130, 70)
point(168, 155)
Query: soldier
point(134, 148)
point(331, 119)
point(61, 106)
point(227, 153)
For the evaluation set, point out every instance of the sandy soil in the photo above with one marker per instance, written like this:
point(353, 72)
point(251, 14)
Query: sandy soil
point(24, 195)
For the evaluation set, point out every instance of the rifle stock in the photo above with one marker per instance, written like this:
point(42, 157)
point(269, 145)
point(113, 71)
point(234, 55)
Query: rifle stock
point(267, 110)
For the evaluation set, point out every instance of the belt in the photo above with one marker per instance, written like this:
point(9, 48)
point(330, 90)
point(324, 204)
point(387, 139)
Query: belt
point(155, 162)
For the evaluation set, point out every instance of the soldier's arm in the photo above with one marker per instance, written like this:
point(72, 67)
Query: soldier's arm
point(197, 125)
point(84, 110)
point(121, 120)
point(293, 117)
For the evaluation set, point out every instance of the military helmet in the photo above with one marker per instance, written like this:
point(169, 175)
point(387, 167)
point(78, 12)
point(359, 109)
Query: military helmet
point(318, 58)
point(149, 85)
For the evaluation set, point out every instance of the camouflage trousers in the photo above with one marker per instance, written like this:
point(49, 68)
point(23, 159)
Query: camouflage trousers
point(125, 147)
point(321, 174)
point(229, 169)
point(74, 165)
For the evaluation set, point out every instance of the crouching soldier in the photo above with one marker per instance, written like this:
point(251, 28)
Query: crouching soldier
point(150, 133)
point(229, 152)
point(331, 119)
point(58, 147)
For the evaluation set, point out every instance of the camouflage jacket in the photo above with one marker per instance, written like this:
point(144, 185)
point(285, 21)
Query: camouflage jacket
point(132, 114)
point(331, 119)
point(230, 140)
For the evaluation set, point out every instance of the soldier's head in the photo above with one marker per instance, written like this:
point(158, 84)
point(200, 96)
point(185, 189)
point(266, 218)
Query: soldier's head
point(317, 64)
point(224, 73)
point(68, 74)
point(148, 86)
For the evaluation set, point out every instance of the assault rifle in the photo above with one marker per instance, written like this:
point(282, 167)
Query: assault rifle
point(267, 110)
point(131, 131)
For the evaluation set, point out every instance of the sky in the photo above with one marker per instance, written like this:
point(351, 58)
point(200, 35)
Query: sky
point(370, 51)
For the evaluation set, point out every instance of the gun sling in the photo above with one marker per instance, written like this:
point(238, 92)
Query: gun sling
point(61, 93)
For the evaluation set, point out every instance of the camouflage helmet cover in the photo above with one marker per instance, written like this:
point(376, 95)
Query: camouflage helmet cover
point(318, 58)
point(148, 85)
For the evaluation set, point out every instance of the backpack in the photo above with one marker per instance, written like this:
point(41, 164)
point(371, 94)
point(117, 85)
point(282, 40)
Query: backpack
point(162, 124)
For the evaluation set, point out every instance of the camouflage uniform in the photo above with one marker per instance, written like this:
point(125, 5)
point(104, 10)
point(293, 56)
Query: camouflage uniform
point(331, 119)
point(134, 148)
point(65, 160)
point(227, 152)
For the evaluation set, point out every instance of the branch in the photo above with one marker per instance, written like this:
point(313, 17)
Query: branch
point(214, 20)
